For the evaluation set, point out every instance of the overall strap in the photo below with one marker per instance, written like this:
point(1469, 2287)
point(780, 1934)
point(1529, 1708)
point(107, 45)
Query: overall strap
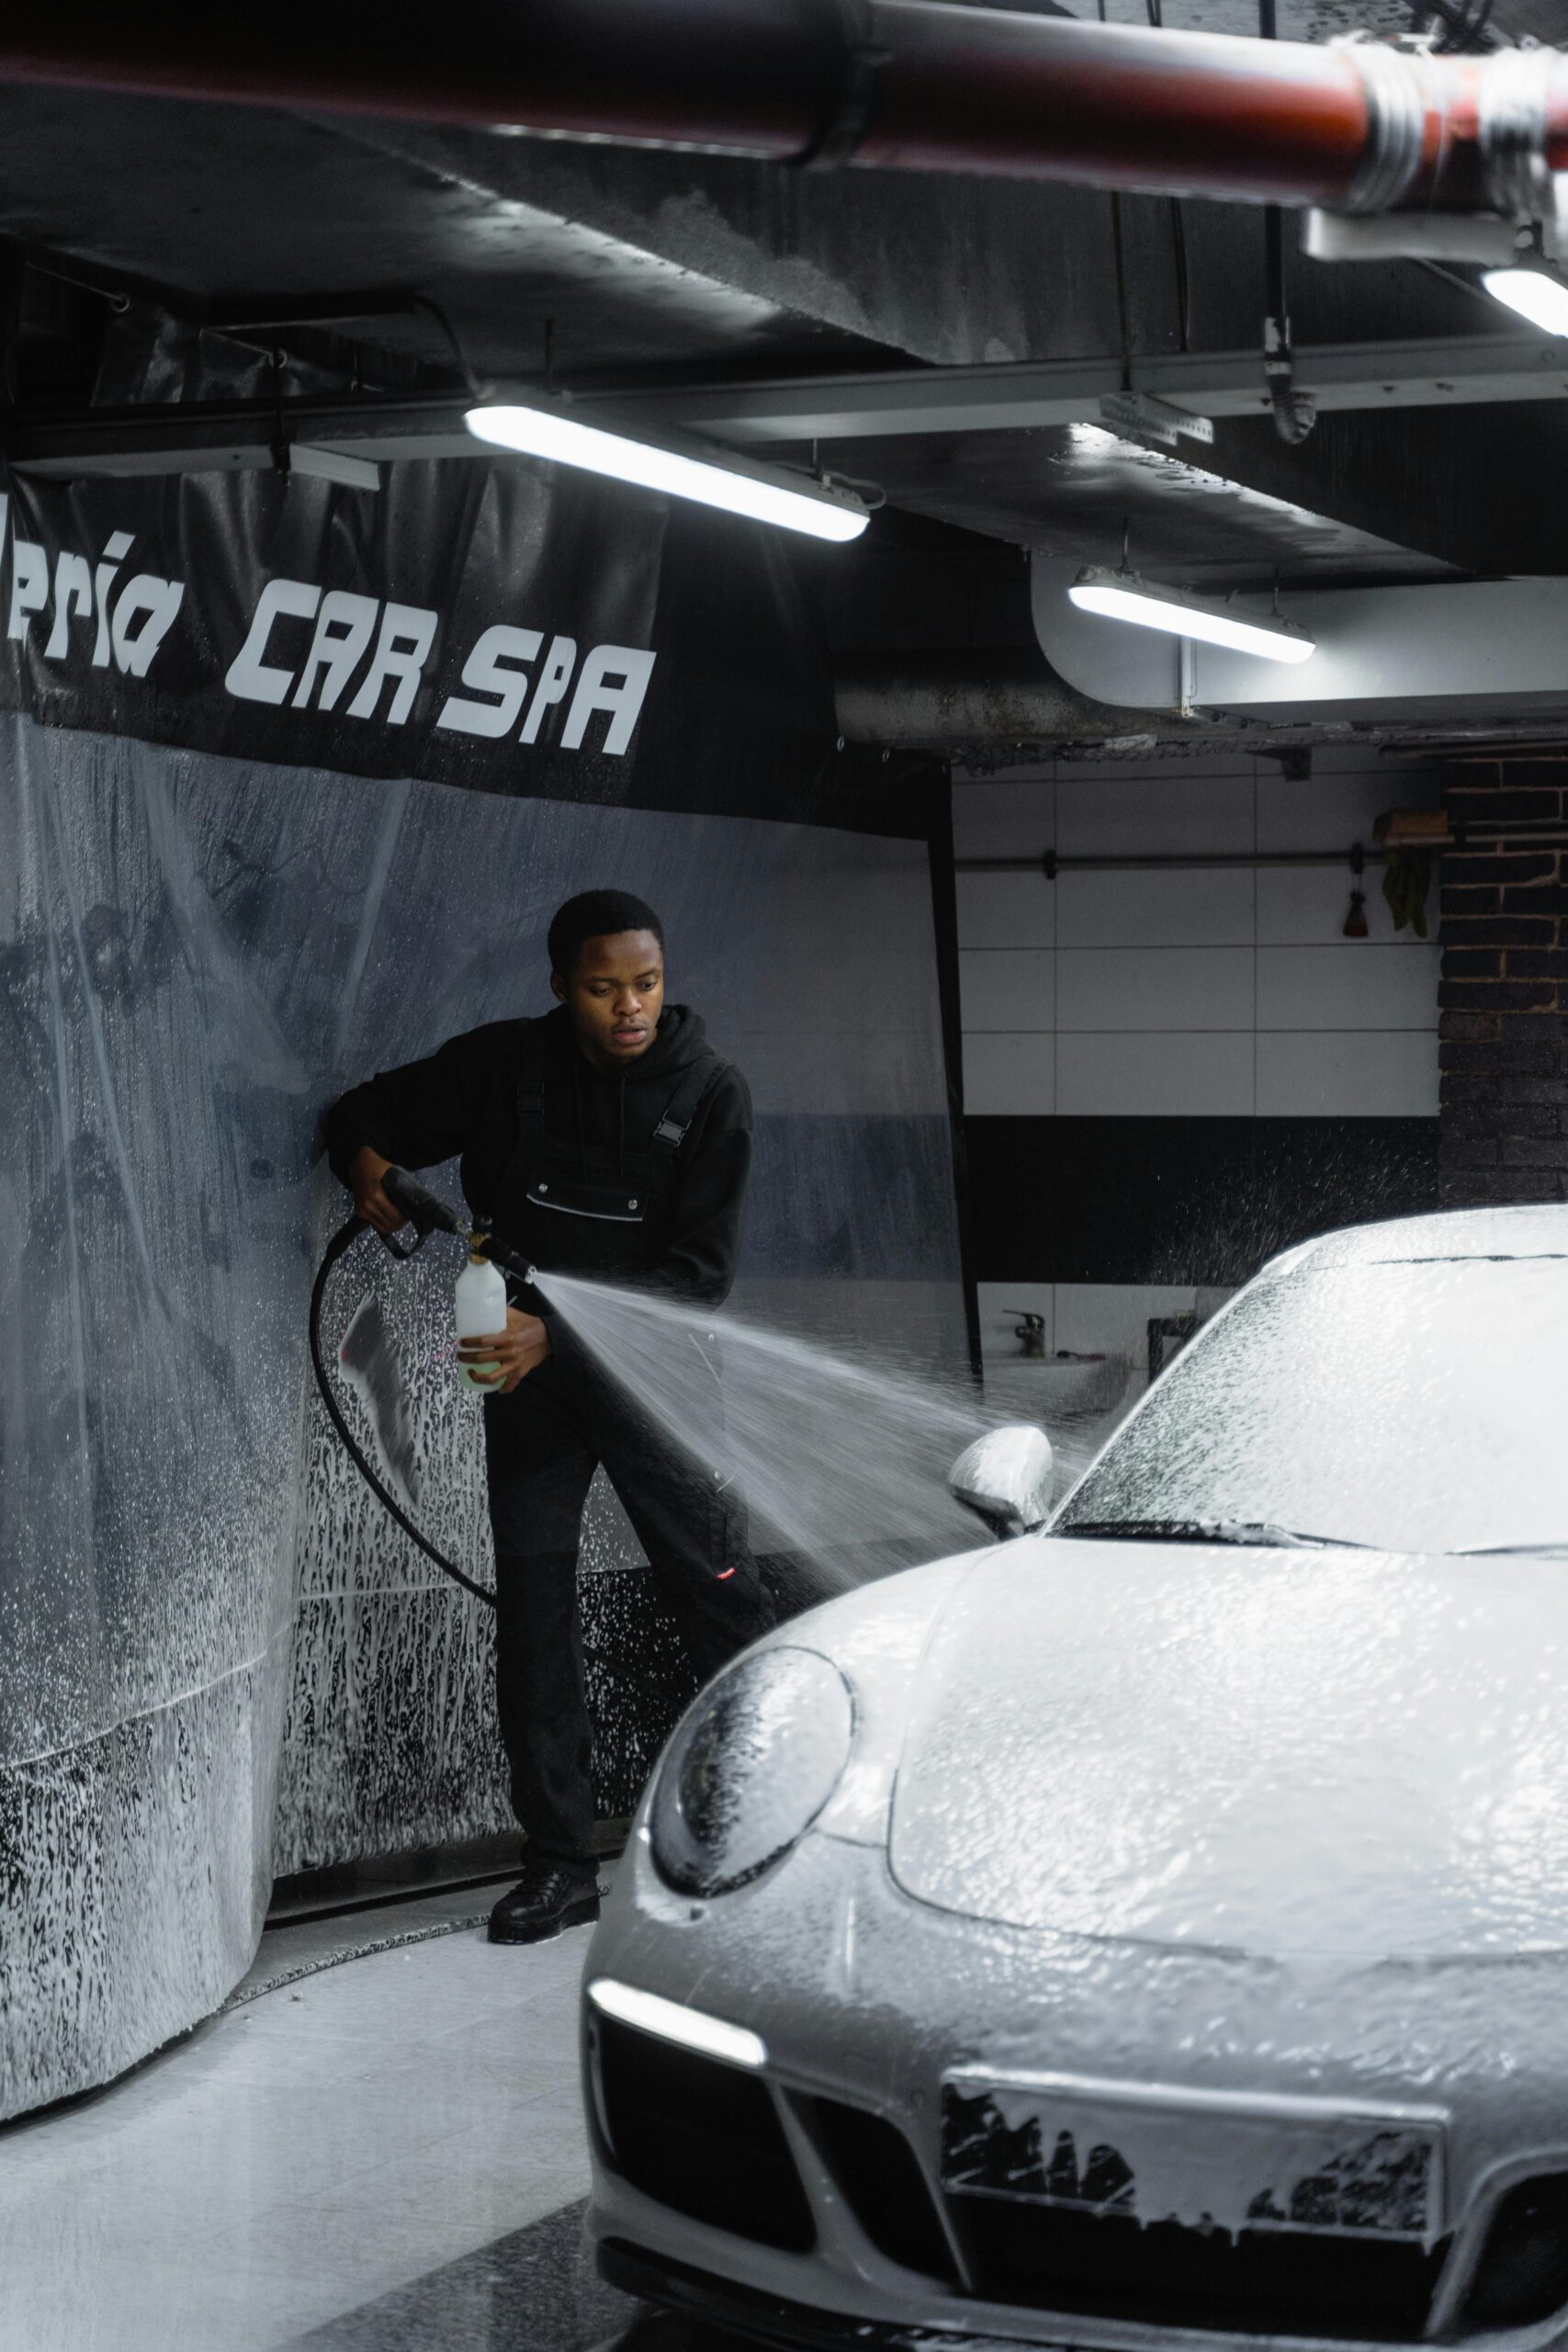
point(695, 1085)
point(530, 1103)
point(530, 1086)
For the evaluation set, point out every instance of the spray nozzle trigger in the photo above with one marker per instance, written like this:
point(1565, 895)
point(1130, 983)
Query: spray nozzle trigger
point(426, 1210)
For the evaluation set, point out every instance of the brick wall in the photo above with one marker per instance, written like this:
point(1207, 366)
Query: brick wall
point(1503, 1028)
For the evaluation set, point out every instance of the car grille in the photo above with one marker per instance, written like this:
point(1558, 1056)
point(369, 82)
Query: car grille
point(883, 2187)
point(1164, 2274)
point(704, 2139)
point(699, 2136)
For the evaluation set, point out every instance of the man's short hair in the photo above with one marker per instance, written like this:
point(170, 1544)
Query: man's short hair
point(596, 914)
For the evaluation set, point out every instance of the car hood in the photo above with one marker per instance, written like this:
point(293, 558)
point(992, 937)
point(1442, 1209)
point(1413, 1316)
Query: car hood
point(1270, 1751)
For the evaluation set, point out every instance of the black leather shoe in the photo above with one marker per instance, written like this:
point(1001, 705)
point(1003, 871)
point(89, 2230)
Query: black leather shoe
point(547, 1898)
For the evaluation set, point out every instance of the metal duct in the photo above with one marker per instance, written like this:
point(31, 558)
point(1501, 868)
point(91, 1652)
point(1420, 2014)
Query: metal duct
point(1356, 127)
point(981, 700)
point(1488, 649)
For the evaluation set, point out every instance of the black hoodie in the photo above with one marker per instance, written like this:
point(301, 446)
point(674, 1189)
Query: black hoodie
point(463, 1098)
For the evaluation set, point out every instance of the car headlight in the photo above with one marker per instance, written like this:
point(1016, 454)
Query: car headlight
point(748, 1769)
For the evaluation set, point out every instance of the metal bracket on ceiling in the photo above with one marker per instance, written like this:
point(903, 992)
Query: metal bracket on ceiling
point(848, 120)
point(1295, 412)
point(1479, 238)
point(334, 465)
point(290, 457)
point(1514, 127)
point(1157, 420)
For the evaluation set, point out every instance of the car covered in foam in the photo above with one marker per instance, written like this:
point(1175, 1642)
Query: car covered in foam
point(1154, 1926)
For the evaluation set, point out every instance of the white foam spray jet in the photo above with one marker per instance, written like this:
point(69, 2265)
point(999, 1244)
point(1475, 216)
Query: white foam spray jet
point(842, 1458)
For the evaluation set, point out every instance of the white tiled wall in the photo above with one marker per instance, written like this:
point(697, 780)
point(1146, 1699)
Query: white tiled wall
point(1196, 1073)
point(1217, 992)
point(1209, 991)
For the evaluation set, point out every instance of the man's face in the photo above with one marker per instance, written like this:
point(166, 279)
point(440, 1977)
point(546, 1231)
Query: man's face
point(615, 994)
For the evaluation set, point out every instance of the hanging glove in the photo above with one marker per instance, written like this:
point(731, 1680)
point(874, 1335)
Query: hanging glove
point(1406, 880)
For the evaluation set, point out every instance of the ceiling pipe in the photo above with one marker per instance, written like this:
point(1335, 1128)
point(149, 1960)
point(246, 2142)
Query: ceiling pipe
point(1355, 127)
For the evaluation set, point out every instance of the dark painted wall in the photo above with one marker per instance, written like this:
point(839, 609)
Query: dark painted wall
point(1173, 1200)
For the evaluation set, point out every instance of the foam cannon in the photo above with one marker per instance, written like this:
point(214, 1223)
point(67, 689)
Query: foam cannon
point(1355, 131)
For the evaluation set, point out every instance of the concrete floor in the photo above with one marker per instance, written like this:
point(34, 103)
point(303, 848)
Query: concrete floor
point(387, 2151)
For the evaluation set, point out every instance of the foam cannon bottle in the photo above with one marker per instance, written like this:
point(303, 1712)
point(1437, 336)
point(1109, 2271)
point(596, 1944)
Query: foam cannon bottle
point(481, 1309)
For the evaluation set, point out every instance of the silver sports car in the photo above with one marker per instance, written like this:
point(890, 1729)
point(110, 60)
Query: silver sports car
point(1157, 1926)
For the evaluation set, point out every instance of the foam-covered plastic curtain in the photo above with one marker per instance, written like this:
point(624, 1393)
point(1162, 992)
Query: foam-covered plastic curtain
point(195, 955)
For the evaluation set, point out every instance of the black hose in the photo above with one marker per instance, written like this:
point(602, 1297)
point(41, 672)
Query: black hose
point(343, 1240)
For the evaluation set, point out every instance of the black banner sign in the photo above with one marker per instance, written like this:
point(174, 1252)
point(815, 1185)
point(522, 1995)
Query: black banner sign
point(508, 628)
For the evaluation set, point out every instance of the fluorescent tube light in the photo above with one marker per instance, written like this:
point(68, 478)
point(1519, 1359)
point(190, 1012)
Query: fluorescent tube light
point(1541, 299)
point(1124, 596)
point(650, 2012)
point(766, 494)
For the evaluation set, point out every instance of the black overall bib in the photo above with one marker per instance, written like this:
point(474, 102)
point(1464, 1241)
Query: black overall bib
point(543, 1444)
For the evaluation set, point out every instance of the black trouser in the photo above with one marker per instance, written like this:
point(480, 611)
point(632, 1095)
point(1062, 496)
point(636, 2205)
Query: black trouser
point(542, 1446)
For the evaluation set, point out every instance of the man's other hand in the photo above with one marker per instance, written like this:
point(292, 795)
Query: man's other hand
point(371, 1201)
point(517, 1351)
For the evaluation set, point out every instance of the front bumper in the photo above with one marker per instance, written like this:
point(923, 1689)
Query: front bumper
point(763, 2319)
point(866, 1998)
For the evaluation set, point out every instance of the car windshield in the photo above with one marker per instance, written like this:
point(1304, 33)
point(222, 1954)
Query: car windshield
point(1413, 1405)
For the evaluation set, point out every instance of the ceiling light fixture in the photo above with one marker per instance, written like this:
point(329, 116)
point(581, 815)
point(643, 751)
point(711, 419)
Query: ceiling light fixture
point(1541, 298)
point(764, 493)
point(1125, 597)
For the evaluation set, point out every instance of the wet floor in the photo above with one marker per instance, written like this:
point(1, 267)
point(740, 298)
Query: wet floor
point(384, 2151)
point(532, 2291)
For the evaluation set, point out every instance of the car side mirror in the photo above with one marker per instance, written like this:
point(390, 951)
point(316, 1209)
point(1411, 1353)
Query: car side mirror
point(1005, 1478)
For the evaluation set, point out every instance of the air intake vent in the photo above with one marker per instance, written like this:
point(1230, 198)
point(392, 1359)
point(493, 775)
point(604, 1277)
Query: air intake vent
point(884, 2188)
point(701, 2137)
point(1522, 2275)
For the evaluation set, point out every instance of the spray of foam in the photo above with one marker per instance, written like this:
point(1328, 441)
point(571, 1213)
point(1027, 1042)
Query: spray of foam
point(843, 1459)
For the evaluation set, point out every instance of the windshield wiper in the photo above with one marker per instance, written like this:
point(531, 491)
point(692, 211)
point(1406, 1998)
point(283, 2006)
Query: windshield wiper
point(1504, 1551)
point(1260, 1531)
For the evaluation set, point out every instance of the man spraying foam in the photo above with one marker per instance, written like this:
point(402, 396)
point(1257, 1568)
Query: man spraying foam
point(606, 1139)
